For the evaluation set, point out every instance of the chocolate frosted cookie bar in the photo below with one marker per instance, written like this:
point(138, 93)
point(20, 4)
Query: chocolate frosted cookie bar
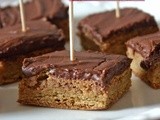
point(93, 81)
point(52, 10)
point(145, 52)
point(104, 32)
point(41, 37)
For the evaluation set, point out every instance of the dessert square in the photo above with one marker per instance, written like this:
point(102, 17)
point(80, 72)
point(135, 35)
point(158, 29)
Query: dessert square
point(145, 52)
point(94, 81)
point(41, 37)
point(104, 32)
point(51, 10)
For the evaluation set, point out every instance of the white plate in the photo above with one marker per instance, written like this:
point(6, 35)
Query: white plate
point(141, 102)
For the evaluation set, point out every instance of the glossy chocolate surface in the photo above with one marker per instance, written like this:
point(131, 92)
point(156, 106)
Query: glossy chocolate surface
point(87, 66)
point(39, 35)
point(103, 25)
point(145, 45)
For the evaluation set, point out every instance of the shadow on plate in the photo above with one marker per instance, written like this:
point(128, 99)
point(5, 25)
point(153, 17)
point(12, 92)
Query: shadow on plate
point(139, 95)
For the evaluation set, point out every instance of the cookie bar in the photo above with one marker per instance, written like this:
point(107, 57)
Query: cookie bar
point(94, 81)
point(145, 52)
point(104, 32)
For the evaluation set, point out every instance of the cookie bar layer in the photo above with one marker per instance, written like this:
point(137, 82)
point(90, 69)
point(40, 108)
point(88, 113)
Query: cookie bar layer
point(41, 37)
point(145, 52)
point(94, 81)
point(104, 32)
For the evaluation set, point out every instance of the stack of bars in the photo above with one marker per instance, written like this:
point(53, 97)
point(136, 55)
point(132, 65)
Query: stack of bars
point(95, 80)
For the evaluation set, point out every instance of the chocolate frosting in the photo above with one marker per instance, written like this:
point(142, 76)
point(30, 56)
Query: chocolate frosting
point(87, 66)
point(103, 25)
point(147, 63)
point(34, 10)
point(145, 45)
point(40, 34)
point(148, 46)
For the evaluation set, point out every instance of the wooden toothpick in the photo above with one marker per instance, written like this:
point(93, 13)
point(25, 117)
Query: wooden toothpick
point(23, 23)
point(71, 21)
point(117, 10)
